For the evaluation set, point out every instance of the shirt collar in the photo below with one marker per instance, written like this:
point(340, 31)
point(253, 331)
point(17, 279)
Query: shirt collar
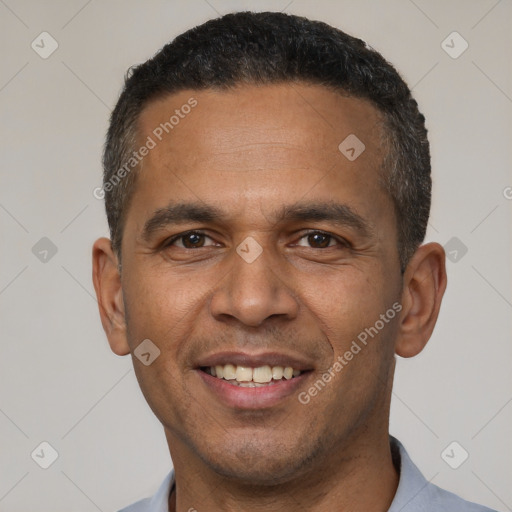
point(411, 482)
point(160, 500)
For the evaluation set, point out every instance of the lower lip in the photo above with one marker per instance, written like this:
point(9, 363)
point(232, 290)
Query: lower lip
point(252, 398)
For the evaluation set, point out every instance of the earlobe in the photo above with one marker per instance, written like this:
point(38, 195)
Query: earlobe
point(424, 285)
point(107, 283)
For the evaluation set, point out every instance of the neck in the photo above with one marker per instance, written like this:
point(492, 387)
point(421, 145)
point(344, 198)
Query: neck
point(358, 477)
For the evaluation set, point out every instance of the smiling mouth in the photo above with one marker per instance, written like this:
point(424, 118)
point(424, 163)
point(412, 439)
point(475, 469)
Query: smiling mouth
point(248, 377)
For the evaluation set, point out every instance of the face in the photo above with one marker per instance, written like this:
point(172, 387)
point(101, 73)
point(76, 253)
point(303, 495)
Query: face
point(252, 241)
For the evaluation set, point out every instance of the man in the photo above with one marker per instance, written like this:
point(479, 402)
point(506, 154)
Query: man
point(267, 186)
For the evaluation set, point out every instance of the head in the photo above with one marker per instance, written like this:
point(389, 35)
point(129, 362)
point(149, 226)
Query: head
point(300, 245)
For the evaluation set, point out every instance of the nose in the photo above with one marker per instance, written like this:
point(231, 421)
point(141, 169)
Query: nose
point(255, 291)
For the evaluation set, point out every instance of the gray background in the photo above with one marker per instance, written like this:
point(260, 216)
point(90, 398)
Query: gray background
point(60, 383)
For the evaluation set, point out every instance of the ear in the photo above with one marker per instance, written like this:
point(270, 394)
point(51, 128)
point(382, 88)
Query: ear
point(424, 285)
point(107, 283)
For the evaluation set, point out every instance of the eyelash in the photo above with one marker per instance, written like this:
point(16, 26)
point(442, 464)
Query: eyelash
point(171, 241)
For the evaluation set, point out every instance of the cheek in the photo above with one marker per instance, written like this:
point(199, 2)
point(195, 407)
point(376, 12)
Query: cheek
point(153, 305)
point(163, 312)
point(361, 341)
point(350, 300)
point(166, 307)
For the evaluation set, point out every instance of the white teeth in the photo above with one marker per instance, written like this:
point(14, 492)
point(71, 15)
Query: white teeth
point(250, 384)
point(288, 372)
point(277, 372)
point(262, 374)
point(245, 376)
point(229, 372)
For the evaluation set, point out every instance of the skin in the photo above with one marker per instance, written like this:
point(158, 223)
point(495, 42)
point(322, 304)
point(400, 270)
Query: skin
point(249, 151)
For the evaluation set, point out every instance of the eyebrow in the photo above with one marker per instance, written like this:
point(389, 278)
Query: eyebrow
point(183, 212)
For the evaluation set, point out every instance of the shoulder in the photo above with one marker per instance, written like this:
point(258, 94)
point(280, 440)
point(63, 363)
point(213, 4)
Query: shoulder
point(158, 502)
point(416, 494)
point(446, 500)
point(139, 506)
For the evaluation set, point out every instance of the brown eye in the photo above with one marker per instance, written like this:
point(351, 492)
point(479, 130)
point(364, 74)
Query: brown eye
point(321, 240)
point(190, 240)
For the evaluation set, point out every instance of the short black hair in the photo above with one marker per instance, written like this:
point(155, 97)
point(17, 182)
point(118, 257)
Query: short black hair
point(266, 48)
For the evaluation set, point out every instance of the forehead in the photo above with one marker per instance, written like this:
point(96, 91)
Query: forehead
point(250, 147)
point(260, 125)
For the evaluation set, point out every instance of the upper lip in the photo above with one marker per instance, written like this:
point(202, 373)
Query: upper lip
point(255, 360)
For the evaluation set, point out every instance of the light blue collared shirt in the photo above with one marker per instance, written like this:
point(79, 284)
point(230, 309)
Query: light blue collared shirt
point(414, 493)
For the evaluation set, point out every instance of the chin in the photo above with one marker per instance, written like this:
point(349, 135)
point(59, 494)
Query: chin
point(258, 462)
